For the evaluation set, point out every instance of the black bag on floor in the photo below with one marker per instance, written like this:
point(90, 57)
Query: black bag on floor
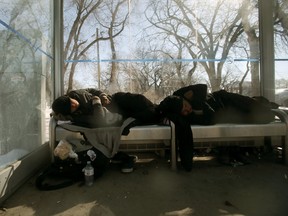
point(63, 173)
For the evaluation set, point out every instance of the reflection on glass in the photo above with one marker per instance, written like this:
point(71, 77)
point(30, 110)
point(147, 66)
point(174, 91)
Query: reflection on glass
point(24, 76)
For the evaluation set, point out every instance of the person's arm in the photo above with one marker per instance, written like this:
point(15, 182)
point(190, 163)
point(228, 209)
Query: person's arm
point(195, 94)
point(94, 92)
point(98, 118)
point(93, 119)
point(105, 98)
point(189, 91)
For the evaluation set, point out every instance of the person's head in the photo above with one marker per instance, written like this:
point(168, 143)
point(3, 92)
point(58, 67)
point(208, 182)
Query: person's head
point(187, 108)
point(175, 104)
point(65, 105)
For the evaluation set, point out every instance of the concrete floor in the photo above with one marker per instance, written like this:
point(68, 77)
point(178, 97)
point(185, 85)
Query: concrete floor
point(257, 189)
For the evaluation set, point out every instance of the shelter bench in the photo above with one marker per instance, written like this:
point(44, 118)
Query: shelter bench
point(149, 136)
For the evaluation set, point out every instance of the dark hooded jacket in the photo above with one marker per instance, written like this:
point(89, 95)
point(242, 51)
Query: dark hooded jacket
point(136, 106)
point(225, 107)
point(90, 112)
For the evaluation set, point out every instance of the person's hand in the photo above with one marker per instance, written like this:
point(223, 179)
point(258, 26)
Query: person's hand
point(96, 100)
point(104, 100)
point(188, 95)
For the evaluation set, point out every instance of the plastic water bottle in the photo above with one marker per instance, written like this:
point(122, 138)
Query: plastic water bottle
point(89, 174)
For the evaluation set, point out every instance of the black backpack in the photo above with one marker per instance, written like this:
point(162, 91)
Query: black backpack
point(63, 173)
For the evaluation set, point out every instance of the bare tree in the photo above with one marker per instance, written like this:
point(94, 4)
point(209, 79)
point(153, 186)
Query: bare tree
point(119, 14)
point(204, 35)
point(155, 74)
point(251, 30)
point(281, 24)
point(7, 48)
point(81, 39)
point(21, 71)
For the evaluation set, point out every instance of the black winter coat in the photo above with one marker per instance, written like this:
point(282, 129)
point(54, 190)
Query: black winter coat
point(88, 115)
point(225, 107)
point(136, 106)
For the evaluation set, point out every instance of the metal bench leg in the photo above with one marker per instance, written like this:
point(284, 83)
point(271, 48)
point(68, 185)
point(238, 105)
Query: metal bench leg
point(173, 148)
point(284, 118)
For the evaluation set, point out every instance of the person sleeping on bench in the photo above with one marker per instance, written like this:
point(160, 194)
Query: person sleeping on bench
point(192, 105)
point(93, 109)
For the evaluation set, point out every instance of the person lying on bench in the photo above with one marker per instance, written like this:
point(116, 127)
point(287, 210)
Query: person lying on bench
point(90, 108)
point(223, 107)
point(193, 106)
point(84, 107)
point(87, 102)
